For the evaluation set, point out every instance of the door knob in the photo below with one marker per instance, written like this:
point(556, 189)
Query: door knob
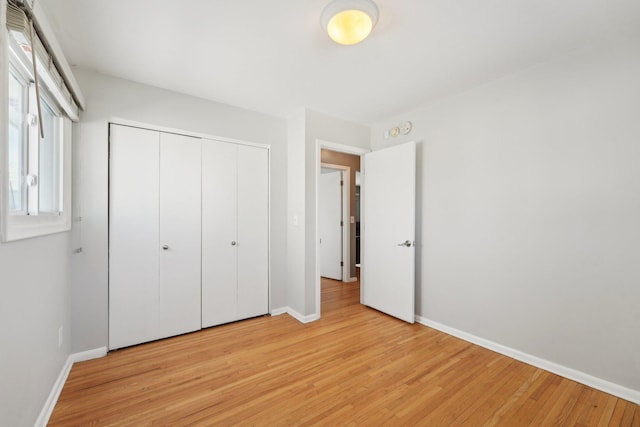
point(407, 243)
point(165, 247)
point(233, 243)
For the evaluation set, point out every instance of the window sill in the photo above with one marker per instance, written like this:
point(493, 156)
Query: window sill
point(26, 227)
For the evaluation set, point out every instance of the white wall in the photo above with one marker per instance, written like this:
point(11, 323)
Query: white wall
point(109, 98)
point(305, 127)
point(34, 303)
point(296, 212)
point(529, 211)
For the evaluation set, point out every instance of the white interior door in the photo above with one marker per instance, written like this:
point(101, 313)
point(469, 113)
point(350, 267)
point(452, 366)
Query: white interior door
point(329, 224)
point(253, 231)
point(219, 235)
point(133, 236)
point(389, 233)
point(180, 234)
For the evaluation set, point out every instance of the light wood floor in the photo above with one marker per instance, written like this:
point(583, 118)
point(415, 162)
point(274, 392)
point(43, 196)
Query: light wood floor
point(355, 366)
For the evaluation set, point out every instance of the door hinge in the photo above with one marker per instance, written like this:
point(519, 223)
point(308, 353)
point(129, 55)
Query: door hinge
point(341, 223)
point(341, 264)
point(341, 183)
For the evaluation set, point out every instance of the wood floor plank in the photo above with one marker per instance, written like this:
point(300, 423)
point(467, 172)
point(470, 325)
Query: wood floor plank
point(354, 367)
point(607, 413)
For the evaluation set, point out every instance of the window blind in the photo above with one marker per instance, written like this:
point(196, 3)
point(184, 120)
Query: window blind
point(19, 27)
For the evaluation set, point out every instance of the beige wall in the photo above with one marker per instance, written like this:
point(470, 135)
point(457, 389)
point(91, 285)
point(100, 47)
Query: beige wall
point(353, 162)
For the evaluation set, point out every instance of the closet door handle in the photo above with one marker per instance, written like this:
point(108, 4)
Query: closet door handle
point(165, 247)
point(233, 243)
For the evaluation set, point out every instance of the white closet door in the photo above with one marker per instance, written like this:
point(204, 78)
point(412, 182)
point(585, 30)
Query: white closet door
point(180, 234)
point(219, 239)
point(253, 231)
point(133, 236)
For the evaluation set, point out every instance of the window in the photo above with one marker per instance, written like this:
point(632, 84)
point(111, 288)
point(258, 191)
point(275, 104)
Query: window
point(17, 147)
point(36, 174)
point(36, 164)
point(49, 162)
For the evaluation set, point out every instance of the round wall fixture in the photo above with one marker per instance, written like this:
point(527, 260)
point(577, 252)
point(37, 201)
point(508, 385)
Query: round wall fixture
point(405, 127)
point(349, 21)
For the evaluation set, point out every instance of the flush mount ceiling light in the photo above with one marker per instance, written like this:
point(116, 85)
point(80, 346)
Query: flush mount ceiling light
point(349, 21)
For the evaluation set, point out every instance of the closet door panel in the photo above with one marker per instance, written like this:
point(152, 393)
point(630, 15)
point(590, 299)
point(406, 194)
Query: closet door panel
point(253, 231)
point(180, 234)
point(133, 236)
point(219, 223)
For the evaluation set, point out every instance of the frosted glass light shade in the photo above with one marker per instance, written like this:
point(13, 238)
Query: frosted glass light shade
point(349, 21)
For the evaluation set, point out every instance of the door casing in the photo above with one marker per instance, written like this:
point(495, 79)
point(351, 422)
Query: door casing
point(320, 144)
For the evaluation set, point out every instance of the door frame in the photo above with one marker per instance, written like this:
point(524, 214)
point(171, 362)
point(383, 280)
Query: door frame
point(346, 212)
point(342, 148)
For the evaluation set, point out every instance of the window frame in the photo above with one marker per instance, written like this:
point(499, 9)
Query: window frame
point(17, 225)
point(24, 82)
point(35, 153)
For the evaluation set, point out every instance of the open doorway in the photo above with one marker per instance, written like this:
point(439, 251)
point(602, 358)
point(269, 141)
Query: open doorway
point(348, 158)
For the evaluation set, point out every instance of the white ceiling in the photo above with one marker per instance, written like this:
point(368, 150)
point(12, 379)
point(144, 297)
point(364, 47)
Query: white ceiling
point(272, 56)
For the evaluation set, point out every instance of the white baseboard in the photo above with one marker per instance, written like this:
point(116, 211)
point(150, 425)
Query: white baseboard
point(351, 279)
point(50, 404)
point(278, 311)
point(47, 409)
point(96, 353)
point(572, 374)
point(302, 318)
point(291, 312)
